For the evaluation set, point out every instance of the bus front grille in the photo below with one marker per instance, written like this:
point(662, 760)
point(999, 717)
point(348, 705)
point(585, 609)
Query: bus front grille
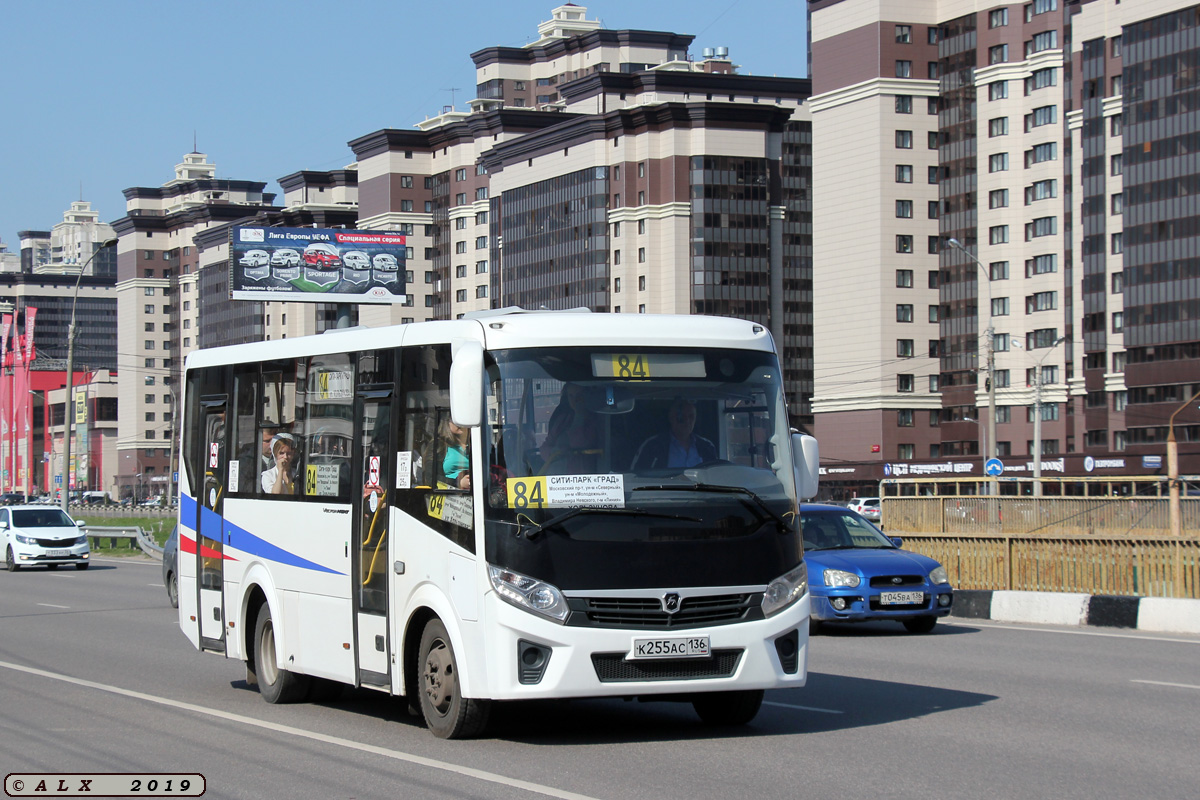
point(648, 613)
point(615, 668)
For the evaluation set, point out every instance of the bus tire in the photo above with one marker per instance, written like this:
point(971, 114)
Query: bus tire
point(728, 708)
point(274, 684)
point(447, 713)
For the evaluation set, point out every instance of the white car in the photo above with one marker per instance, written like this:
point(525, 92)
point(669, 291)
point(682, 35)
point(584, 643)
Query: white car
point(42, 536)
point(356, 266)
point(256, 264)
point(868, 507)
point(285, 258)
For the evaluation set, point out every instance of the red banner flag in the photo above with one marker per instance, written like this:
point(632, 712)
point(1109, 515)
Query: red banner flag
point(30, 316)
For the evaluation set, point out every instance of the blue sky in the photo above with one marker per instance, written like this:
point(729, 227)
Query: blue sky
point(107, 95)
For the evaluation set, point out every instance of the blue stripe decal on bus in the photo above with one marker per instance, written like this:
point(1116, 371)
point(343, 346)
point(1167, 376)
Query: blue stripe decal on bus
point(242, 539)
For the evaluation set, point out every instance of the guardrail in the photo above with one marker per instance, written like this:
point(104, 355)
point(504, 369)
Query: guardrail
point(139, 535)
point(1092, 545)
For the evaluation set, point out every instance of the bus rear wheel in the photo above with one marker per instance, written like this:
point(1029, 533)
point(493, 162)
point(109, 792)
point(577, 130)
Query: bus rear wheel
point(274, 684)
point(447, 713)
point(728, 708)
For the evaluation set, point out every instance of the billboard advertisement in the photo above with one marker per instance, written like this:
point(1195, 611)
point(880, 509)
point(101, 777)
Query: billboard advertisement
point(322, 265)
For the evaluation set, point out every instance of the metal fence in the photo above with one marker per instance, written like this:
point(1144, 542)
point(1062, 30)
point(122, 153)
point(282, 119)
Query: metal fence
point(1094, 545)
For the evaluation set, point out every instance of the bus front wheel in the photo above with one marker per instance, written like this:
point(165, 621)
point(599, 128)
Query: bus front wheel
point(728, 708)
point(274, 684)
point(447, 713)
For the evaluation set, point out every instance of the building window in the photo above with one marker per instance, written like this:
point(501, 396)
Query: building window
point(1042, 226)
point(932, 35)
point(905, 383)
point(460, 174)
point(903, 69)
point(641, 255)
point(998, 162)
point(933, 246)
point(904, 348)
point(904, 243)
point(406, 182)
point(904, 312)
point(999, 306)
point(905, 452)
point(481, 218)
point(1118, 282)
point(1042, 152)
point(1118, 321)
point(1114, 125)
point(1041, 301)
point(1117, 204)
point(998, 198)
point(931, 70)
point(460, 296)
point(1002, 381)
point(1041, 190)
point(904, 278)
point(481, 193)
point(998, 270)
point(460, 224)
point(904, 418)
point(1116, 165)
point(904, 140)
point(641, 283)
point(1042, 115)
point(998, 90)
point(998, 126)
point(460, 247)
point(933, 140)
point(932, 209)
point(641, 226)
point(1000, 342)
point(1117, 244)
point(934, 386)
point(460, 271)
point(1046, 40)
point(460, 199)
point(904, 209)
point(903, 104)
point(481, 267)
point(998, 18)
point(904, 173)
point(935, 313)
point(481, 243)
point(148, 344)
point(931, 175)
point(931, 106)
point(998, 234)
point(904, 34)
point(481, 290)
point(998, 54)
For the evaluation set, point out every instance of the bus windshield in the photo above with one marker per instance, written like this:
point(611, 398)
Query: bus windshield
point(608, 467)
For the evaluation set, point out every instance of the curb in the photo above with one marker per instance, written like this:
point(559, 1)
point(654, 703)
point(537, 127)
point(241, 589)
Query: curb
point(1158, 614)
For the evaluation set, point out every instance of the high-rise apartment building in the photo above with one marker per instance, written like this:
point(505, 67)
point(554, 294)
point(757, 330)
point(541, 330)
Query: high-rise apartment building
point(609, 169)
point(1014, 166)
point(158, 277)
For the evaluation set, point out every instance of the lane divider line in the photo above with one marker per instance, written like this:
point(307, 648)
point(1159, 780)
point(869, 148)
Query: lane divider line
point(397, 755)
point(1164, 683)
point(803, 708)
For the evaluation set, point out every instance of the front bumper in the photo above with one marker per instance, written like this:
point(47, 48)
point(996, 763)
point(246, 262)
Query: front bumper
point(26, 555)
point(862, 604)
point(590, 661)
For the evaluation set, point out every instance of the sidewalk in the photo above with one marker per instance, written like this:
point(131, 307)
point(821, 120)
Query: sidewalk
point(1160, 614)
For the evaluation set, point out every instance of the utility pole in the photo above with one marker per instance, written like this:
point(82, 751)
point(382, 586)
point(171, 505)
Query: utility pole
point(991, 448)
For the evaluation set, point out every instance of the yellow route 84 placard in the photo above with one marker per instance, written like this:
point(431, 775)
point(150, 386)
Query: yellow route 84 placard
point(527, 492)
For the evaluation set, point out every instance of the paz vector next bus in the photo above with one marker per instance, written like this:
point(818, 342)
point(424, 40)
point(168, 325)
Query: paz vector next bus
point(513, 505)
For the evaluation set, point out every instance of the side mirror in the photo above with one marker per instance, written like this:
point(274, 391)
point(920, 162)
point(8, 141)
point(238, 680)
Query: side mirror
point(896, 540)
point(806, 459)
point(79, 523)
point(466, 383)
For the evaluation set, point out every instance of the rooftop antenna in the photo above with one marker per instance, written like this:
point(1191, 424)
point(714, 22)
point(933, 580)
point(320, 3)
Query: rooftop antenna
point(452, 90)
point(195, 149)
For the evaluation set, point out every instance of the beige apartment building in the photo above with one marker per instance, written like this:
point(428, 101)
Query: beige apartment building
point(1014, 166)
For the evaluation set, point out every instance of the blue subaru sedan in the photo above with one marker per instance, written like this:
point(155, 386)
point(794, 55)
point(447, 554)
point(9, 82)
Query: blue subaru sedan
point(855, 573)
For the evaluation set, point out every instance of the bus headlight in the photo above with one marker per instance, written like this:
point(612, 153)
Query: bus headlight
point(785, 590)
point(528, 593)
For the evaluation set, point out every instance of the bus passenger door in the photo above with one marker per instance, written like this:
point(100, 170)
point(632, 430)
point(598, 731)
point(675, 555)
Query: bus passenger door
point(210, 609)
point(372, 502)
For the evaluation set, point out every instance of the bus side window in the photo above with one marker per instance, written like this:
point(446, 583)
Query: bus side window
point(431, 497)
point(329, 417)
point(245, 393)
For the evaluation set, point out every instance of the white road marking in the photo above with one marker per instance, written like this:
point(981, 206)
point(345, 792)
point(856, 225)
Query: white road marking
point(51, 605)
point(1164, 683)
point(1141, 638)
point(803, 708)
point(470, 772)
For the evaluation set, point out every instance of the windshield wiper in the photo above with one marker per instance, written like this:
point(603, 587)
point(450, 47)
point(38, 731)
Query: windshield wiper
point(712, 487)
point(574, 512)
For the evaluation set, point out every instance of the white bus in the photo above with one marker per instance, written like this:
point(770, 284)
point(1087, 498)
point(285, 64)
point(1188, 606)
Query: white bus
point(503, 507)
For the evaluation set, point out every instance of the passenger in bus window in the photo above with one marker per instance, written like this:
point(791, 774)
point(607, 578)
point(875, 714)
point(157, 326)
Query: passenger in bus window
point(456, 465)
point(678, 446)
point(281, 478)
point(574, 440)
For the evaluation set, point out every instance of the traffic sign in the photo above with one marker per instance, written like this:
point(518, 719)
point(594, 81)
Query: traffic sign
point(993, 468)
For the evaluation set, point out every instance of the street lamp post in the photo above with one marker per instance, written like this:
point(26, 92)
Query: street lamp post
point(991, 450)
point(69, 401)
point(1173, 508)
point(1037, 418)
